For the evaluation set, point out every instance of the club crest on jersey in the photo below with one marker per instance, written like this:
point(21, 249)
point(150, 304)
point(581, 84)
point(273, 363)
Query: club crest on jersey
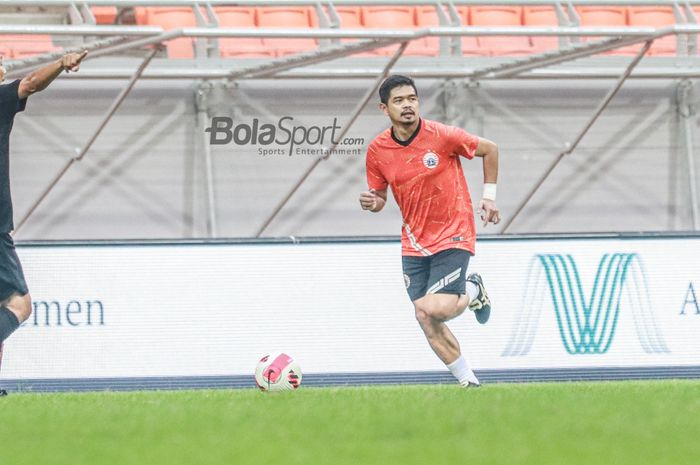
point(430, 160)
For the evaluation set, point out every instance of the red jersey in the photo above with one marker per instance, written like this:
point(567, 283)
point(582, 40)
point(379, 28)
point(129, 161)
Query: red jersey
point(428, 183)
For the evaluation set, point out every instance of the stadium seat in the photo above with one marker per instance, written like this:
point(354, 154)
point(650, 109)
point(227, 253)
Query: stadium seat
point(501, 16)
point(5, 51)
point(23, 46)
point(394, 17)
point(170, 18)
point(239, 17)
point(658, 17)
point(287, 17)
point(427, 16)
point(602, 16)
point(541, 16)
point(104, 14)
point(470, 44)
point(350, 17)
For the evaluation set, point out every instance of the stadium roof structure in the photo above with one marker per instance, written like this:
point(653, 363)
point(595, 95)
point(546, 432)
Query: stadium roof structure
point(134, 52)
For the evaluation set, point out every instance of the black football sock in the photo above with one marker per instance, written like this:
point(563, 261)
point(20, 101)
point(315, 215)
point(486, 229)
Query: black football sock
point(8, 323)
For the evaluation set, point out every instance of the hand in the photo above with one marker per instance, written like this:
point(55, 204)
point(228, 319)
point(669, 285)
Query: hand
point(489, 212)
point(369, 199)
point(3, 71)
point(71, 61)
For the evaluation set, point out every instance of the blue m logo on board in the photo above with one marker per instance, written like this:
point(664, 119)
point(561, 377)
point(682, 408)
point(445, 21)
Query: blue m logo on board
point(586, 320)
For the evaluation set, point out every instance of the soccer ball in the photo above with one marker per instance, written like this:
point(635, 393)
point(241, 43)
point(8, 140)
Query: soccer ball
point(277, 372)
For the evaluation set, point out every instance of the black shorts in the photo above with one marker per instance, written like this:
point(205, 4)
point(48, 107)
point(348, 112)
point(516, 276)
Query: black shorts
point(11, 275)
point(442, 273)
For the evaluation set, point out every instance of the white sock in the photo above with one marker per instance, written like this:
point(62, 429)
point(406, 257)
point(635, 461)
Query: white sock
point(472, 290)
point(461, 370)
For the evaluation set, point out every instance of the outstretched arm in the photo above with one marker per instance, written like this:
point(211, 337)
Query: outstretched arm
point(41, 78)
point(487, 207)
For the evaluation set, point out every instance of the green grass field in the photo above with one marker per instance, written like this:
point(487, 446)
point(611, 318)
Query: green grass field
point(640, 423)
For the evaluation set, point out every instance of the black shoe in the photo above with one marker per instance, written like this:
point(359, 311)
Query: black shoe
point(3, 393)
point(481, 305)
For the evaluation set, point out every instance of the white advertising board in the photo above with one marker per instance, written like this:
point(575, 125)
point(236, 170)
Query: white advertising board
point(123, 311)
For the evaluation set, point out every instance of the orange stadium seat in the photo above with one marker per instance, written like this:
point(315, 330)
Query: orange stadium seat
point(541, 16)
point(602, 16)
point(501, 16)
point(5, 50)
point(351, 18)
point(23, 46)
point(427, 16)
point(240, 17)
point(470, 44)
point(658, 17)
point(170, 18)
point(393, 17)
point(287, 17)
point(104, 14)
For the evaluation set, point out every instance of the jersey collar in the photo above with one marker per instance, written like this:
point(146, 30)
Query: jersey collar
point(408, 141)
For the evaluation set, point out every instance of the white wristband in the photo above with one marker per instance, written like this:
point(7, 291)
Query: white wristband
point(489, 191)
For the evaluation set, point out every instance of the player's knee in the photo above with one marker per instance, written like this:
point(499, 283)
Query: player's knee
point(433, 311)
point(22, 307)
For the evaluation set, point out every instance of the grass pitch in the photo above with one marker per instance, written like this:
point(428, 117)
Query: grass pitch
point(564, 423)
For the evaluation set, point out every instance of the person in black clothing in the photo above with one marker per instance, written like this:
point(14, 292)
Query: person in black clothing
point(15, 302)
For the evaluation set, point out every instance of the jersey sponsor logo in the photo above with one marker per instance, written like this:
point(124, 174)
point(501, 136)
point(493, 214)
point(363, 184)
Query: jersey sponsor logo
point(430, 160)
point(586, 325)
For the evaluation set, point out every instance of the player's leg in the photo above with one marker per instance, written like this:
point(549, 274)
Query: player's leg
point(445, 299)
point(13, 312)
point(431, 312)
point(2, 391)
point(15, 303)
point(479, 301)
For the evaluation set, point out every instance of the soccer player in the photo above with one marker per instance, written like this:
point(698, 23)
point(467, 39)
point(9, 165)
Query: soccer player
point(419, 159)
point(15, 302)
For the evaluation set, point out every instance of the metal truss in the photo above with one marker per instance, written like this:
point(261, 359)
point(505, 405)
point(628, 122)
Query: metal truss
point(333, 59)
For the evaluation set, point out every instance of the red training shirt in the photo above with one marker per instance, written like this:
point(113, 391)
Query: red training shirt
point(428, 183)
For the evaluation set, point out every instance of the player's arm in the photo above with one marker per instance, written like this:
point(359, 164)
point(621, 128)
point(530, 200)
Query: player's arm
point(488, 150)
point(373, 200)
point(40, 79)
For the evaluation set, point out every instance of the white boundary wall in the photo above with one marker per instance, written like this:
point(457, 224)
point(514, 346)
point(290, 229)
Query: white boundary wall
point(187, 310)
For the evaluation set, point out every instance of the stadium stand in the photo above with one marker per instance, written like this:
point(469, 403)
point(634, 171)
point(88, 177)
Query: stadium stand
point(541, 16)
point(242, 47)
point(22, 46)
point(657, 17)
point(287, 17)
point(394, 17)
point(493, 70)
point(104, 14)
point(501, 16)
point(171, 18)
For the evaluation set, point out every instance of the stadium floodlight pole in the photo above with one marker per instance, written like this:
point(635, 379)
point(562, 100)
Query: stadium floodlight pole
point(570, 147)
point(82, 152)
point(355, 114)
